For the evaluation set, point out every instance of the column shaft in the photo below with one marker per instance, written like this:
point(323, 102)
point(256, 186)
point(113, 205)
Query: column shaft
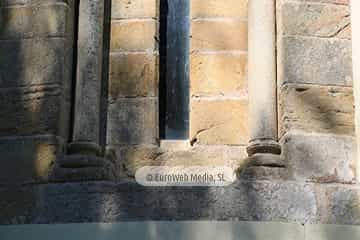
point(86, 133)
point(355, 26)
point(262, 77)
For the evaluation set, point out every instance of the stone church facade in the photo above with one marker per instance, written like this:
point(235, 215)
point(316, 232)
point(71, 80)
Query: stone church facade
point(271, 95)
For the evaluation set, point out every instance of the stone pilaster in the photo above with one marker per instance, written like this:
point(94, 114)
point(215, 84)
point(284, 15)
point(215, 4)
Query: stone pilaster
point(88, 77)
point(355, 22)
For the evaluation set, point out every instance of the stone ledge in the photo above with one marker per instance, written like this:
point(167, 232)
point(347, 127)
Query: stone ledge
point(124, 201)
point(194, 230)
point(159, 231)
point(281, 201)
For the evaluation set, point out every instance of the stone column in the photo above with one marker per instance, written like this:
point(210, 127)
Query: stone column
point(85, 159)
point(86, 132)
point(262, 78)
point(355, 27)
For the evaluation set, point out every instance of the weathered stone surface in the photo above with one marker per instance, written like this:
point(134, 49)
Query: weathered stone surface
point(175, 145)
point(111, 202)
point(84, 148)
point(263, 166)
point(103, 173)
point(262, 78)
point(221, 120)
point(30, 2)
point(174, 230)
point(218, 74)
point(27, 62)
point(285, 201)
point(30, 21)
point(316, 109)
point(32, 110)
point(35, 70)
point(230, 35)
point(133, 75)
point(355, 19)
point(204, 156)
point(315, 61)
point(131, 158)
point(316, 20)
point(345, 2)
point(216, 8)
point(77, 167)
point(236, 156)
point(28, 159)
point(89, 72)
point(13, 2)
point(82, 160)
point(319, 158)
point(134, 9)
point(341, 205)
point(133, 121)
point(331, 232)
point(267, 160)
point(209, 126)
point(262, 173)
point(134, 35)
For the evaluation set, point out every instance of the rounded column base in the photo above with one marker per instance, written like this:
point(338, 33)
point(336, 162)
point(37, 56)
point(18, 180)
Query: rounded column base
point(86, 148)
point(263, 146)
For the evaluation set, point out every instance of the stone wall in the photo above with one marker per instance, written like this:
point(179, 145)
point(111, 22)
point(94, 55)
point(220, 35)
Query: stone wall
point(133, 78)
point(217, 81)
point(315, 99)
point(315, 115)
point(36, 44)
point(218, 72)
point(316, 105)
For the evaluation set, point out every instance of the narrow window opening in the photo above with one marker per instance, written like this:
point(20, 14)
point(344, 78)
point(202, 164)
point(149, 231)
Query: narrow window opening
point(174, 69)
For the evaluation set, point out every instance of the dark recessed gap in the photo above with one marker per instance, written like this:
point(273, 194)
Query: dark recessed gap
point(174, 69)
point(105, 73)
point(162, 66)
point(74, 69)
point(301, 89)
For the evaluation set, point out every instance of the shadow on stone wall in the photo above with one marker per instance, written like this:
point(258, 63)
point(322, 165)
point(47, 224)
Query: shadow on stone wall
point(35, 55)
point(30, 100)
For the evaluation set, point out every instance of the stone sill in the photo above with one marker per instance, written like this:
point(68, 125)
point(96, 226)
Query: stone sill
point(175, 145)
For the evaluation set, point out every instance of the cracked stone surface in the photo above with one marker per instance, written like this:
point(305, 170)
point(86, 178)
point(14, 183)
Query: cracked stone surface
point(321, 109)
point(219, 121)
point(317, 20)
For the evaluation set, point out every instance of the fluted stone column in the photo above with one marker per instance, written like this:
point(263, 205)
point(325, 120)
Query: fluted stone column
point(86, 132)
point(355, 27)
point(262, 78)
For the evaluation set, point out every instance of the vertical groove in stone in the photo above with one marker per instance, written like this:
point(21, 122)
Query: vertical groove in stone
point(74, 69)
point(162, 67)
point(105, 72)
